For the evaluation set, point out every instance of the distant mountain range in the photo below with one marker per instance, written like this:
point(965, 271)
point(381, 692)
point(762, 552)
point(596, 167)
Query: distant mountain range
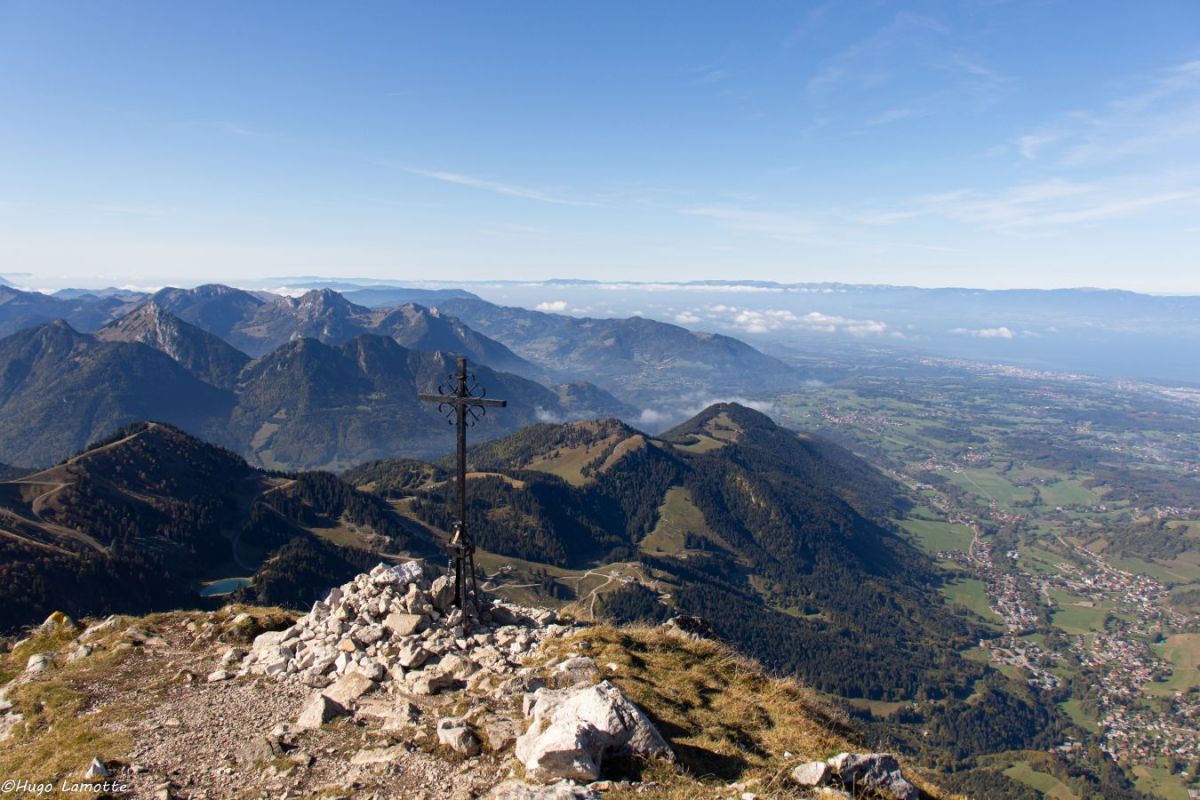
point(20, 309)
point(255, 326)
point(650, 362)
point(206, 356)
point(1100, 332)
point(635, 368)
point(305, 404)
point(61, 389)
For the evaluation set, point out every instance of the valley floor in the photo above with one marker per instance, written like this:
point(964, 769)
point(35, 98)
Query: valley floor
point(1066, 520)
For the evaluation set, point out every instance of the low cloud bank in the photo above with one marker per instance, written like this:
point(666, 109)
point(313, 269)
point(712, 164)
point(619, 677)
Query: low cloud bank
point(770, 320)
point(1003, 332)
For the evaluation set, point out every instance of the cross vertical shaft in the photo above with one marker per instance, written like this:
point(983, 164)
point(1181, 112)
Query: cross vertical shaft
point(463, 408)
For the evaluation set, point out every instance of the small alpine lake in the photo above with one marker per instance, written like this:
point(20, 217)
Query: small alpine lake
point(223, 586)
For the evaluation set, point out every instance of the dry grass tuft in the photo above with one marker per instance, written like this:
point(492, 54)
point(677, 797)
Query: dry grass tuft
point(49, 640)
point(733, 727)
point(63, 729)
point(726, 720)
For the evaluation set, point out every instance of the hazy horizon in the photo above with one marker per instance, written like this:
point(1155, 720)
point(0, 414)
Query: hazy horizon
point(296, 284)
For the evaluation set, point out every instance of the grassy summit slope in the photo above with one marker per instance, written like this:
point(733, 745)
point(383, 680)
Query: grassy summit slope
point(726, 719)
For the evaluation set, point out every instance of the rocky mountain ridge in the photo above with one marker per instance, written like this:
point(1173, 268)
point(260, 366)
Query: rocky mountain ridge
point(514, 704)
point(640, 359)
point(306, 404)
point(662, 368)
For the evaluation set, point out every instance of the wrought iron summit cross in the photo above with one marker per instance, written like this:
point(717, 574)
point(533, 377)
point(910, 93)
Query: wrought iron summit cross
point(463, 404)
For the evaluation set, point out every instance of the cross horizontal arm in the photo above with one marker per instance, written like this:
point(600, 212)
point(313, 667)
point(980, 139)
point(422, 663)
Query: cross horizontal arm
point(451, 399)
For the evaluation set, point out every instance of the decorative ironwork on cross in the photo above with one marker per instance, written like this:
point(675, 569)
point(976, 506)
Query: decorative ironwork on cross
point(463, 404)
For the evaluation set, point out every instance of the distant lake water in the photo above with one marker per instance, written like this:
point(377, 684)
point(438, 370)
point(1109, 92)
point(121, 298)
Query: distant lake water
point(223, 586)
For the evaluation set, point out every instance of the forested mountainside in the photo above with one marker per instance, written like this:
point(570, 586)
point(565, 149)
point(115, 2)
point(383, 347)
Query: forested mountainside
point(785, 549)
point(783, 542)
point(305, 405)
point(61, 389)
point(639, 359)
point(207, 356)
point(137, 521)
point(658, 367)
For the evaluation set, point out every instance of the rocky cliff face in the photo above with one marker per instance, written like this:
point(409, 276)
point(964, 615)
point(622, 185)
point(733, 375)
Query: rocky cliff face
point(385, 690)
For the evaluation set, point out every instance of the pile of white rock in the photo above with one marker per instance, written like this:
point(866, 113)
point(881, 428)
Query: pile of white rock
point(397, 624)
point(396, 628)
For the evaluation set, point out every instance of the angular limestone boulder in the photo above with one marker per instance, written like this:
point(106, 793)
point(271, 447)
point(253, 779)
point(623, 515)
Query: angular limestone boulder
point(814, 773)
point(99, 628)
point(574, 730)
point(409, 572)
point(454, 733)
point(428, 681)
point(39, 662)
point(877, 772)
point(347, 689)
point(574, 671)
point(317, 711)
point(441, 593)
point(458, 667)
point(405, 624)
point(412, 655)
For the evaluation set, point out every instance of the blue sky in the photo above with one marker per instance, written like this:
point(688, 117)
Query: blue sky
point(986, 144)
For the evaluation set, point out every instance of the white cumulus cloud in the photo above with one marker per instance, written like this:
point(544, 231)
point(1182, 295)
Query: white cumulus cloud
point(554, 306)
point(1003, 332)
point(753, 320)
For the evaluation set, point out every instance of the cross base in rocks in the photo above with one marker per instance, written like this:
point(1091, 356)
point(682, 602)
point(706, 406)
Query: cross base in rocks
point(464, 404)
point(462, 557)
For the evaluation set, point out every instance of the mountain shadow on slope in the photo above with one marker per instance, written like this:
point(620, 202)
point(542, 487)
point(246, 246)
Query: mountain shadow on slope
point(305, 405)
point(205, 355)
point(60, 389)
point(136, 521)
point(791, 553)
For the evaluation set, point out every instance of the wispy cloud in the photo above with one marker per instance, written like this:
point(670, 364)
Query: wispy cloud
point(1031, 144)
point(711, 74)
point(890, 115)
point(1155, 111)
point(496, 187)
point(1052, 202)
point(908, 67)
point(228, 127)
